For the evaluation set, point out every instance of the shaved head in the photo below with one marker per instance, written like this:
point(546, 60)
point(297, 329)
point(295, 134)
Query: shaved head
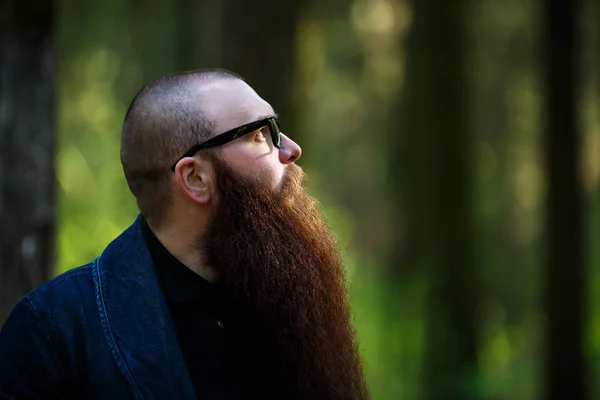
point(164, 119)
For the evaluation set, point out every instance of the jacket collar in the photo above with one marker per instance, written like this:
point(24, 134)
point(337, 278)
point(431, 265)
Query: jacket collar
point(136, 321)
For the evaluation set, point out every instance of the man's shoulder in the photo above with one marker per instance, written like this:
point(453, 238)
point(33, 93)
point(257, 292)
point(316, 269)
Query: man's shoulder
point(65, 290)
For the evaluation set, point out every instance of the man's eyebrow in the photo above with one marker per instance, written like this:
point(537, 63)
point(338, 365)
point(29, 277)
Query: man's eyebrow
point(267, 116)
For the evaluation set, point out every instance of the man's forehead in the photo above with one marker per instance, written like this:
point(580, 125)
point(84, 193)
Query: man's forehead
point(231, 103)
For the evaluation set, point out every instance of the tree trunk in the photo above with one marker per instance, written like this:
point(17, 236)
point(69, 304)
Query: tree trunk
point(198, 33)
point(436, 149)
point(259, 43)
point(27, 124)
point(565, 289)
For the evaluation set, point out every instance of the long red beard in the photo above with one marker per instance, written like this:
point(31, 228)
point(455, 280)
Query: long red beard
point(282, 271)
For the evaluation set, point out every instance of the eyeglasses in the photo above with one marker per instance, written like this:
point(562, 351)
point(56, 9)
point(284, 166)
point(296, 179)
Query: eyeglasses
point(225, 137)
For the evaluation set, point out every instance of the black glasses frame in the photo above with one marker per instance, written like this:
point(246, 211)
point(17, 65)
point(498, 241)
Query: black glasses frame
point(235, 133)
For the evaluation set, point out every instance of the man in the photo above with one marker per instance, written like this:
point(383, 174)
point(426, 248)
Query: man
point(228, 286)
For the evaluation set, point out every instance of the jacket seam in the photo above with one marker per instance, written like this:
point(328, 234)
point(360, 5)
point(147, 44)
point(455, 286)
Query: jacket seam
point(108, 331)
point(39, 322)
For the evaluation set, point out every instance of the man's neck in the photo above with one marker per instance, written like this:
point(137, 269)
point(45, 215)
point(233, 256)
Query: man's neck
point(185, 249)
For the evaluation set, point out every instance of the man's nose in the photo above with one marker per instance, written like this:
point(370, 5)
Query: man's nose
point(289, 151)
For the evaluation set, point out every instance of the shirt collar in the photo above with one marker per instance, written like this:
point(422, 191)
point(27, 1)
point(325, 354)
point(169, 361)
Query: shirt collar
point(179, 283)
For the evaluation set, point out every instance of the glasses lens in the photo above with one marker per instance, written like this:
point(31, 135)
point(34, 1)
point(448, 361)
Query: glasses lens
point(275, 132)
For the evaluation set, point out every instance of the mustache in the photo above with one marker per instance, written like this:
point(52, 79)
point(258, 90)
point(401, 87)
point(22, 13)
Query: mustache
point(292, 181)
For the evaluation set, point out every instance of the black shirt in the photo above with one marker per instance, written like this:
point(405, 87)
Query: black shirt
point(207, 335)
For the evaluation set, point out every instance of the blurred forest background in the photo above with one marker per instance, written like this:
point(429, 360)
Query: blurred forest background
point(454, 146)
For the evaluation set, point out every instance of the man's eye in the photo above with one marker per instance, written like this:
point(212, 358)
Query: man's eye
point(260, 136)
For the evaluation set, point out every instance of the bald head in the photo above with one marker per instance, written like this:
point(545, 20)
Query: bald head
point(164, 119)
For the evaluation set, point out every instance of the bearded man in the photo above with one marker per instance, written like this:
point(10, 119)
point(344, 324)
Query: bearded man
point(228, 285)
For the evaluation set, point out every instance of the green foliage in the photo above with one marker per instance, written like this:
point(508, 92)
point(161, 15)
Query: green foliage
point(94, 203)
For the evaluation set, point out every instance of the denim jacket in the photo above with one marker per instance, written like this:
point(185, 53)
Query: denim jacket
point(100, 331)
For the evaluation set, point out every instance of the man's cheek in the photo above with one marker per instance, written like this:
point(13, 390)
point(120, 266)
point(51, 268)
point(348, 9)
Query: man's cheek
point(272, 177)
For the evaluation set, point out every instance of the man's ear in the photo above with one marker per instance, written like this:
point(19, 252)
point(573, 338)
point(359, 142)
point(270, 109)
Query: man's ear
point(195, 177)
